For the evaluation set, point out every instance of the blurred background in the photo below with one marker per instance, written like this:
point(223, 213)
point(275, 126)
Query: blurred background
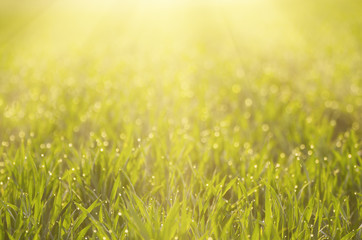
point(78, 65)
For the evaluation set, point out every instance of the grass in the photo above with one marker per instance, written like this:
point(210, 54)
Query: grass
point(204, 121)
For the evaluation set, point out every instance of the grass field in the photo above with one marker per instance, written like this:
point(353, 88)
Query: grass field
point(174, 120)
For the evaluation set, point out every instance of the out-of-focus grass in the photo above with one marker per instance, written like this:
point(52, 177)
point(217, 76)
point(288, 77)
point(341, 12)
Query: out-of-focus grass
point(199, 120)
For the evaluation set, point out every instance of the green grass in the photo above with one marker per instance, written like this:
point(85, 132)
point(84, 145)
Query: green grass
point(195, 122)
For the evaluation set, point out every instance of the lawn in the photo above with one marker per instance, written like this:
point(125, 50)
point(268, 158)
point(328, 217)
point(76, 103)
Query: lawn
point(181, 119)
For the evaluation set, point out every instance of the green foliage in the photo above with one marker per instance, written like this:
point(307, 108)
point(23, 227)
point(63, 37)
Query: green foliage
point(196, 122)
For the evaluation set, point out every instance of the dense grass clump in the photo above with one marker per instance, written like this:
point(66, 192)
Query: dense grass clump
point(185, 121)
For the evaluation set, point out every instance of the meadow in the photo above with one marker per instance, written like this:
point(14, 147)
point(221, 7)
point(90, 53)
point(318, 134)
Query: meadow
point(181, 119)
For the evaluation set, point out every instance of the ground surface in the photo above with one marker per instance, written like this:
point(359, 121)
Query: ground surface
point(170, 121)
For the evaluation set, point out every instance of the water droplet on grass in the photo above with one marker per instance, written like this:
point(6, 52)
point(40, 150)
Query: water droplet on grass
point(248, 102)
